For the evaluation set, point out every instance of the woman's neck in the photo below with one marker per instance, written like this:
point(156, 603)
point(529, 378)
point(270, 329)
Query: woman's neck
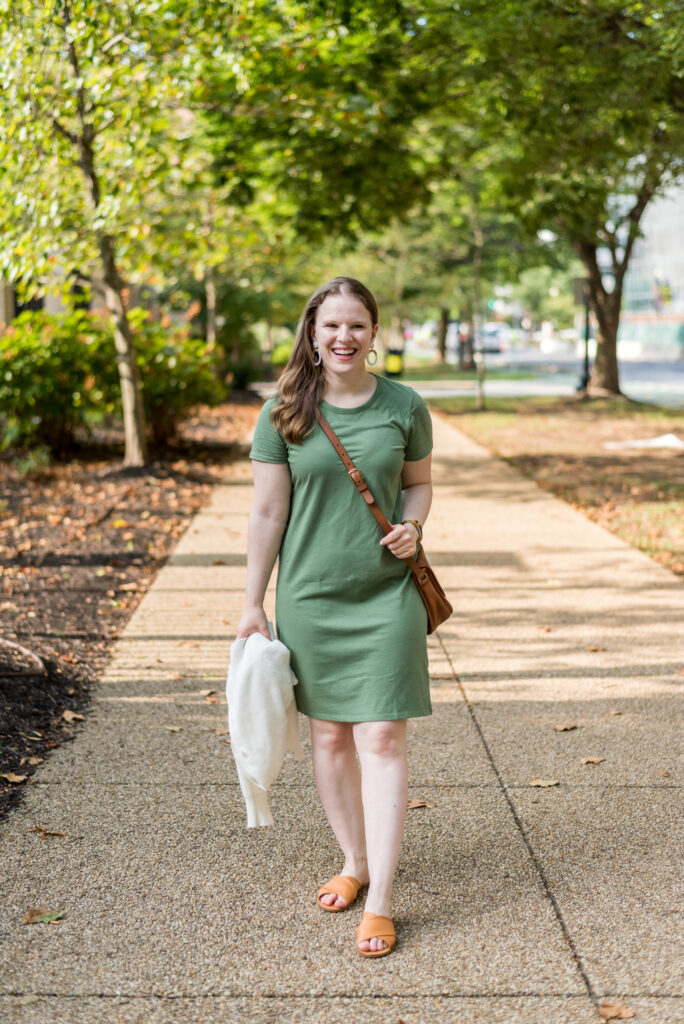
point(350, 392)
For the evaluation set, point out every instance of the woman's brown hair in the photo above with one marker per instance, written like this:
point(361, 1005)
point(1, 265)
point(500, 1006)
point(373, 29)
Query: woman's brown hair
point(302, 383)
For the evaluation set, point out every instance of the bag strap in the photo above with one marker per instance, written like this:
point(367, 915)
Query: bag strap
point(356, 477)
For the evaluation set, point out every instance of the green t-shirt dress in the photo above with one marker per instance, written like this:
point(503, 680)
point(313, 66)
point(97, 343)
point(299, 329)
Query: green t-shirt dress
point(346, 607)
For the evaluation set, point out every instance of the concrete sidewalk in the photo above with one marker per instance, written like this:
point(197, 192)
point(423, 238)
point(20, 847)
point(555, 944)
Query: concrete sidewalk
point(514, 903)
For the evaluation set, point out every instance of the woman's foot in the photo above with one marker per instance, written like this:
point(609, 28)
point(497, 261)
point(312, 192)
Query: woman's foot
point(356, 873)
point(375, 935)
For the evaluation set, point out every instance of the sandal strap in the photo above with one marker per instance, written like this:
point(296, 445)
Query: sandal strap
point(374, 926)
point(345, 886)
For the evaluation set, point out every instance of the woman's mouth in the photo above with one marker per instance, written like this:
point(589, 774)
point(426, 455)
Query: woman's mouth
point(344, 353)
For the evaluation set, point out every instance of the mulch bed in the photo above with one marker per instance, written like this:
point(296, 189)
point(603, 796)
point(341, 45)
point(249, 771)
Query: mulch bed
point(80, 543)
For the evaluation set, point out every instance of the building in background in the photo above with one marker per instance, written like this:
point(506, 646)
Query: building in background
point(652, 321)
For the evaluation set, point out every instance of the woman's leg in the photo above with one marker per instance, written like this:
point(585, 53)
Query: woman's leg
point(382, 752)
point(339, 786)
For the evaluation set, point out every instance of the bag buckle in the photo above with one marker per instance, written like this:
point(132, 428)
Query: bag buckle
point(360, 482)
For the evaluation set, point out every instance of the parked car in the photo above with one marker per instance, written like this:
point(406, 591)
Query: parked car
point(496, 337)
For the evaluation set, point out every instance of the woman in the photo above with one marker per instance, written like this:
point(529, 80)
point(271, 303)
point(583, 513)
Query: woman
point(346, 605)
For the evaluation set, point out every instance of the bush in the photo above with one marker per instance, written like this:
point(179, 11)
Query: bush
point(53, 377)
point(281, 353)
point(58, 373)
point(178, 372)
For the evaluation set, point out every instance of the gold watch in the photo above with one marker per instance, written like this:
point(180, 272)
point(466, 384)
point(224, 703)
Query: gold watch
point(414, 522)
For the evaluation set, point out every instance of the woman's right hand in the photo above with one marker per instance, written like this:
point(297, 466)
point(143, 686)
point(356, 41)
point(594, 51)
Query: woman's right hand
point(253, 620)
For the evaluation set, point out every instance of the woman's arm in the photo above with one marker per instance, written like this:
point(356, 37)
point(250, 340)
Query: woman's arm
point(416, 494)
point(265, 529)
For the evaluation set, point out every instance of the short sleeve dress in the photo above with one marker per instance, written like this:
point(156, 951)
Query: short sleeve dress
point(346, 607)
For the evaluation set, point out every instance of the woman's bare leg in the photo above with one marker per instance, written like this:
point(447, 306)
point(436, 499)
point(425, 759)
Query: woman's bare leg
point(382, 753)
point(339, 786)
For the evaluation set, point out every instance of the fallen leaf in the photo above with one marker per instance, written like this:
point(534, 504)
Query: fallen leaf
point(545, 629)
point(221, 732)
point(412, 804)
point(614, 1011)
point(44, 832)
point(36, 760)
point(663, 773)
point(211, 700)
point(27, 1000)
point(72, 716)
point(616, 712)
point(565, 727)
point(11, 777)
point(680, 671)
point(544, 783)
point(188, 643)
point(206, 693)
point(592, 760)
point(173, 728)
point(36, 916)
point(596, 648)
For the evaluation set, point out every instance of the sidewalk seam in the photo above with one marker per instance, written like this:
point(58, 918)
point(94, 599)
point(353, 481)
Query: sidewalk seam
point(523, 833)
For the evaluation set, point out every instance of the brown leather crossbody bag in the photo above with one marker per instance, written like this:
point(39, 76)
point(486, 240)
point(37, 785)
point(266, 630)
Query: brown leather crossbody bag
point(435, 601)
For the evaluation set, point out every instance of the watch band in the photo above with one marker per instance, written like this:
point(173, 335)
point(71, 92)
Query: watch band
point(419, 528)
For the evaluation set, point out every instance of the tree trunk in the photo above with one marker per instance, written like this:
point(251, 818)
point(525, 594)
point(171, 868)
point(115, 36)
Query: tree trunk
point(131, 392)
point(442, 328)
point(210, 290)
point(605, 374)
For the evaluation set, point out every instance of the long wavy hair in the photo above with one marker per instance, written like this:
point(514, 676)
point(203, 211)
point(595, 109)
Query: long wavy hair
point(302, 384)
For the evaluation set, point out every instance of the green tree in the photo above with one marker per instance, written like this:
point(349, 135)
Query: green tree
point(588, 99)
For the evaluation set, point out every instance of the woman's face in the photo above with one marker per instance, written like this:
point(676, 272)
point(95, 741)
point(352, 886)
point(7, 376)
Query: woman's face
point(343, 331)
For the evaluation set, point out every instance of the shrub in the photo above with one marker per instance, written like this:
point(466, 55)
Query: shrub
point(281, 353)
point(58, 373)
point(53, 375)
point(177, 371)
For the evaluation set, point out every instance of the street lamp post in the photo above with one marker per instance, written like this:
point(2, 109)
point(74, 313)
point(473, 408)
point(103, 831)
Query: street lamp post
point(581, 294)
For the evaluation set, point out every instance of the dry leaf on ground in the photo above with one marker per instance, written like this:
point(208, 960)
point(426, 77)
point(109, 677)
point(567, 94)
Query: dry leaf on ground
point(614, 1011)
point(565, 727)
point(545, 629)
point(544, 783)
point(173, 728)
point(616, 712)
point(11, 777)
point(221, 732)
point(27, 1000)
point(592, 760)
point(596, 648)
point(412, 804)
point(663, 773)
point(72, 716)
point(44, 832)
point(35, 760)
point(188, 643)
point(34, 915)
point(206, 693)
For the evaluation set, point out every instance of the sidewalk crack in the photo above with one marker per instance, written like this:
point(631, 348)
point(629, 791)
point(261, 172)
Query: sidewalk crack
point(523, 833)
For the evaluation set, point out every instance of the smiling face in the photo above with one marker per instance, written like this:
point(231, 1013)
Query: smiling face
point(344, 331)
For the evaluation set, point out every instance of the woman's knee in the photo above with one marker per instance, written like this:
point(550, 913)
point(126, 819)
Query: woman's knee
point(331, 737)
point(381, 739)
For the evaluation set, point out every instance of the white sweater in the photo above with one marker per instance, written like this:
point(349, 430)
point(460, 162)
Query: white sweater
point(262, 717)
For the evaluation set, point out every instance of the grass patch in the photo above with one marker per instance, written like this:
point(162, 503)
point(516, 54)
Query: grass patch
point(417, 371)
point(560, 443)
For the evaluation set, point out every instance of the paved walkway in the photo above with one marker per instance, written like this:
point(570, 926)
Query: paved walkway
point(514, 903)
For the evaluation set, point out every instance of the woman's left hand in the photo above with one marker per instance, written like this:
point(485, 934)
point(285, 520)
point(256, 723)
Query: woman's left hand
point(402, 541)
